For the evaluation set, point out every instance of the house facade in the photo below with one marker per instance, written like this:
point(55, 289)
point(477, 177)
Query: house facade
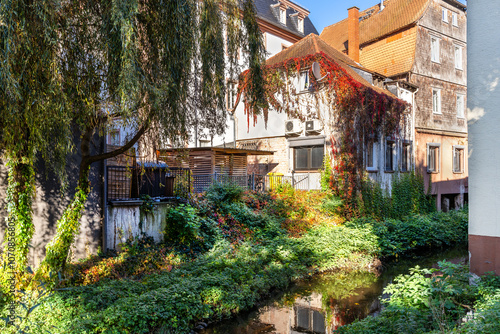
point(302, 138)
point(421, 44)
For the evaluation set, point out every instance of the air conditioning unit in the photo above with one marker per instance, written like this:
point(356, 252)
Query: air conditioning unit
point(313, 127)
point(293, 127)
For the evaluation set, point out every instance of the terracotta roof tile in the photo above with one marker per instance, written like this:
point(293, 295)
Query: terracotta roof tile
point(375, 24)
point(393, 55)
point(313, 44)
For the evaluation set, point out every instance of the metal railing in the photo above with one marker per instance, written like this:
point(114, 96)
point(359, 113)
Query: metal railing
point(132, 182)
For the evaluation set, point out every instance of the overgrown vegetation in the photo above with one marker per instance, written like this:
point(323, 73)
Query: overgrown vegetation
point(232, 248)
point(436, 301)
point(408, 196)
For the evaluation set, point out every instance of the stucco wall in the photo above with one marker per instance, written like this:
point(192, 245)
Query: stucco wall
point(484, 118)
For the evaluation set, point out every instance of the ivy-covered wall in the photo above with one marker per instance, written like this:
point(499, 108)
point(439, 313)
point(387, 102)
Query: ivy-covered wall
point(51, 200)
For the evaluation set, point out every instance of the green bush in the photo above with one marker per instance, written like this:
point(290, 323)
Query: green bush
point(224, 193)
point(426, 301)
point(408, 197)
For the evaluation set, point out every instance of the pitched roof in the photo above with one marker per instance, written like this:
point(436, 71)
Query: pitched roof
point(375, 24)
point(271, 15)
point(313, 44)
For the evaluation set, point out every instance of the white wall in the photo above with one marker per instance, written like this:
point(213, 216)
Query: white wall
point(483, 103)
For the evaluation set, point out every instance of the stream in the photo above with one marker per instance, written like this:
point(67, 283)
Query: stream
point(324, 302)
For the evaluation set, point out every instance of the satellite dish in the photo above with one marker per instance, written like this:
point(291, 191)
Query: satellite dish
point(316, 69)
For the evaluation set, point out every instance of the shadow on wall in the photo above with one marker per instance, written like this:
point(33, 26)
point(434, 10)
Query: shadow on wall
point(50, 202)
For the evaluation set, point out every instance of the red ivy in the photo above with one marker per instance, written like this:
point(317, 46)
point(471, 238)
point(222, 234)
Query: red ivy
point(358, 111)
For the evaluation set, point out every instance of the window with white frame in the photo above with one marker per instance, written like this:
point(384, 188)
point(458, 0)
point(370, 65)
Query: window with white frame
point(435, 49)
point(458, 57)
point(283, 15)
point(301, 24)
point(114, 137)
point(436, 101)
point(460, 106)
point(308, 157)
point(390, 153)
point(458, 159)
point(303, 81)
point(371, 156)
point(433, 158)
point(454, 19)
point(445, 15)
point(406, 157)
point(231, 94)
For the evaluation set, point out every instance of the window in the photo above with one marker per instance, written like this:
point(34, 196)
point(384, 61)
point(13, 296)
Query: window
point(435, 49)
point(406, 157)
point(303, 82)
point(283, 15)
point(460, 106)
point(308, 157)
point(114, 138)
point(445, 15)
point(390, 150)
point(433, 158)
point(371, 156)
point(436, 101)
point(458, 57)
point(454, 19)
point(458, 159)
point(231, 94)
point(301, 25)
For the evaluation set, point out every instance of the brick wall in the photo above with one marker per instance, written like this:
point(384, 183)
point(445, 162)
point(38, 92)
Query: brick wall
point(259, 164)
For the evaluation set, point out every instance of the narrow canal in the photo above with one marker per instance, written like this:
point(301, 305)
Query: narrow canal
point(324, 302)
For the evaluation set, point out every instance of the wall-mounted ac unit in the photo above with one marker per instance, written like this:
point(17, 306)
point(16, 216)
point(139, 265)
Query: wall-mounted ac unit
point(293, 127)
point(313, 126)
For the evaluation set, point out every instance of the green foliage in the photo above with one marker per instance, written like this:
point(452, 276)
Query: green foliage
point(224, 193)
point(67, 228)
point(20, 192)
point(147, 205)
point(326, 174)
point(182, 225)
point(408, 196)
point(435, 230)
point(435, 301)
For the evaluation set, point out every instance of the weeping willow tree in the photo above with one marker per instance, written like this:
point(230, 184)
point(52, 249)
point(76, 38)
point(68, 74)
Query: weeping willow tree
point(33, 112)
point(155, 67)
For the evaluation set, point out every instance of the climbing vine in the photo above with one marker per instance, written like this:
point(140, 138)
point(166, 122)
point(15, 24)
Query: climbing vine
point(20, 192)
point(356, 113)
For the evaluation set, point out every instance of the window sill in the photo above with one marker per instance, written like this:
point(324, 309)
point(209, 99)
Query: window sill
point(432, 172)
point(372, 170)
point(437, 113)
point(459, 69)
point(436, 62)
point(389, 171)
point(460, 117)
point(458, 172)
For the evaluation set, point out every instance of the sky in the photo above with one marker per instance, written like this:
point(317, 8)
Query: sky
point(327, 12)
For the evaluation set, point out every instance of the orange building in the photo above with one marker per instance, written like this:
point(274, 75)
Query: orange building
point(423, 43)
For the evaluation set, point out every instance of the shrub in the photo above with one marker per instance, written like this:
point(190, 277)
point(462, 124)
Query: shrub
point(182, 225)
point(408, 197)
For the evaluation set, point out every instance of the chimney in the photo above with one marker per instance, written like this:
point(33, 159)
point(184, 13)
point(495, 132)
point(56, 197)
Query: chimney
point(353, 33)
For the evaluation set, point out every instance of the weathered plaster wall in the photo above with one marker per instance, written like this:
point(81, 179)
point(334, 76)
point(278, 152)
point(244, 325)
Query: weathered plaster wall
point(125, 221)
point(484, 135)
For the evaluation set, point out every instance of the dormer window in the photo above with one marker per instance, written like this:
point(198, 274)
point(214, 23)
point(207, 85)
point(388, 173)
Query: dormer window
point(300, 25)
point(283, 15)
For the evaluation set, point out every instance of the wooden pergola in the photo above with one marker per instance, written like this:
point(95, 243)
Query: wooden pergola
point(210, 160)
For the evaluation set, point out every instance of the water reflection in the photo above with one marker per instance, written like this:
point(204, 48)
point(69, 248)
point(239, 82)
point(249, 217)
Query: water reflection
point(323, 303)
